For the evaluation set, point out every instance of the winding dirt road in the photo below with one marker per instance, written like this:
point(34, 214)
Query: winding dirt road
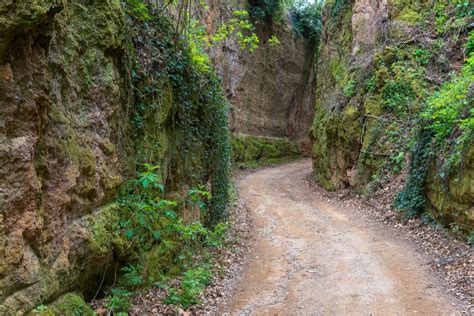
point(314, 258)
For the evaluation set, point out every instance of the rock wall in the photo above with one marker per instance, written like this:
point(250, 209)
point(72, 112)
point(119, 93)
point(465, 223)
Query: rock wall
point(270, 89)
point(61, 94)
point(67, 142)
point(252, 151)
point(454, 205)
point(379, 61)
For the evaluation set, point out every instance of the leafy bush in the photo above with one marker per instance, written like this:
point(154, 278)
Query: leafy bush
point(446, 129)
point(349, 89)
point(464, 8)
point(397, 95)
point(307, 20)
point(262, 9)
point(470, 239)
point(193, 283)
point(274, 41)
point(422, 56)
point(138, 9)
point(451, 106)
point(119, 300)
point(469, 48)
point(371, 84)
point(159, 245)
point(450, 116)
point(239, 27)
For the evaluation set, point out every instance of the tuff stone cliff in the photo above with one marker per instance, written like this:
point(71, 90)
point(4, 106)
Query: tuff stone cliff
point(379, 62)
point(69, 138)
point(271, 94)
point(61, 96)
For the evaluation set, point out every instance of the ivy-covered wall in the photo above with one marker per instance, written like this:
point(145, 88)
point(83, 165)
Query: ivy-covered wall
point(86, 97)
point(380, 63)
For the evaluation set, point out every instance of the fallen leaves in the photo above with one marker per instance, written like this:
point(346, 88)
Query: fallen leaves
point(228, 266)
point(450, 258)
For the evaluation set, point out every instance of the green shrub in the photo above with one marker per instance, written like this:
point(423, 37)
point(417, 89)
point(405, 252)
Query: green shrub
point(262, 9)
point(446, 129)
point(119, 300)
point(470, 239)
point(412, 198)
point(159, 244)
point(193, 284)
point(450, 116)
point(469, 47)
point(397, 96)
point(451, 107)
point(138, 9)
point(422, 56)
point(371, 84)
point(307, 20)
point(349, 89)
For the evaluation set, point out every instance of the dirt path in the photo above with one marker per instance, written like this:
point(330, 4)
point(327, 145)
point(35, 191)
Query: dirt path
point(314, 258)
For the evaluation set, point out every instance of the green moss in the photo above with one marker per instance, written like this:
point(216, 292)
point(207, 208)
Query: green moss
point(20, 15)
point(102, 228)
point(331, 143)
point(451, 202)
point(70, 304)
point(408, 11)
point(78, 153)
point(346, 126)
point(339, 71)
point(373, 106)
point(104, 236)
point(409, 16)
point(252, 151)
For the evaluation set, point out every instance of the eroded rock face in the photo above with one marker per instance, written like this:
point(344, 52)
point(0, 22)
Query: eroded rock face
point(61, 95)
point(370, 90)
point(271, 89)
point(453, 202)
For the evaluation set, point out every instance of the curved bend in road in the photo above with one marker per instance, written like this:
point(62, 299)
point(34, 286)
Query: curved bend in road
point(314, 258)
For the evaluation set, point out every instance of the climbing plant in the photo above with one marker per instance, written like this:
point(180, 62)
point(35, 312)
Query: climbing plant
point(158, 244)
point(412, 198)
point(446, 130)
point(174, 77)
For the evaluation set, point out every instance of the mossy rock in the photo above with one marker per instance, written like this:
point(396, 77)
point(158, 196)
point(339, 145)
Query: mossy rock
point(452, 202)
point(373, 106)
point(335, 141)
point(70, 304)
point(407, 11)
point(250, 151)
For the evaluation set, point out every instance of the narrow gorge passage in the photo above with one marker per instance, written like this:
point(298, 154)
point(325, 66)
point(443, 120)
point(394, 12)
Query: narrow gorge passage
point(312, 257)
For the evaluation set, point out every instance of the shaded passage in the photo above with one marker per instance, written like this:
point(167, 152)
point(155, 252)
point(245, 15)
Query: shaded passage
point(314, 258)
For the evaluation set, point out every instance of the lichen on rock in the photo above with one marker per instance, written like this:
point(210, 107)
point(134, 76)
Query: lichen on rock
point(376, 71)
point(251, 151)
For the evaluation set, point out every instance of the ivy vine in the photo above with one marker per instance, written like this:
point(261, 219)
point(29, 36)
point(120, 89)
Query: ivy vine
point(166, 70)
